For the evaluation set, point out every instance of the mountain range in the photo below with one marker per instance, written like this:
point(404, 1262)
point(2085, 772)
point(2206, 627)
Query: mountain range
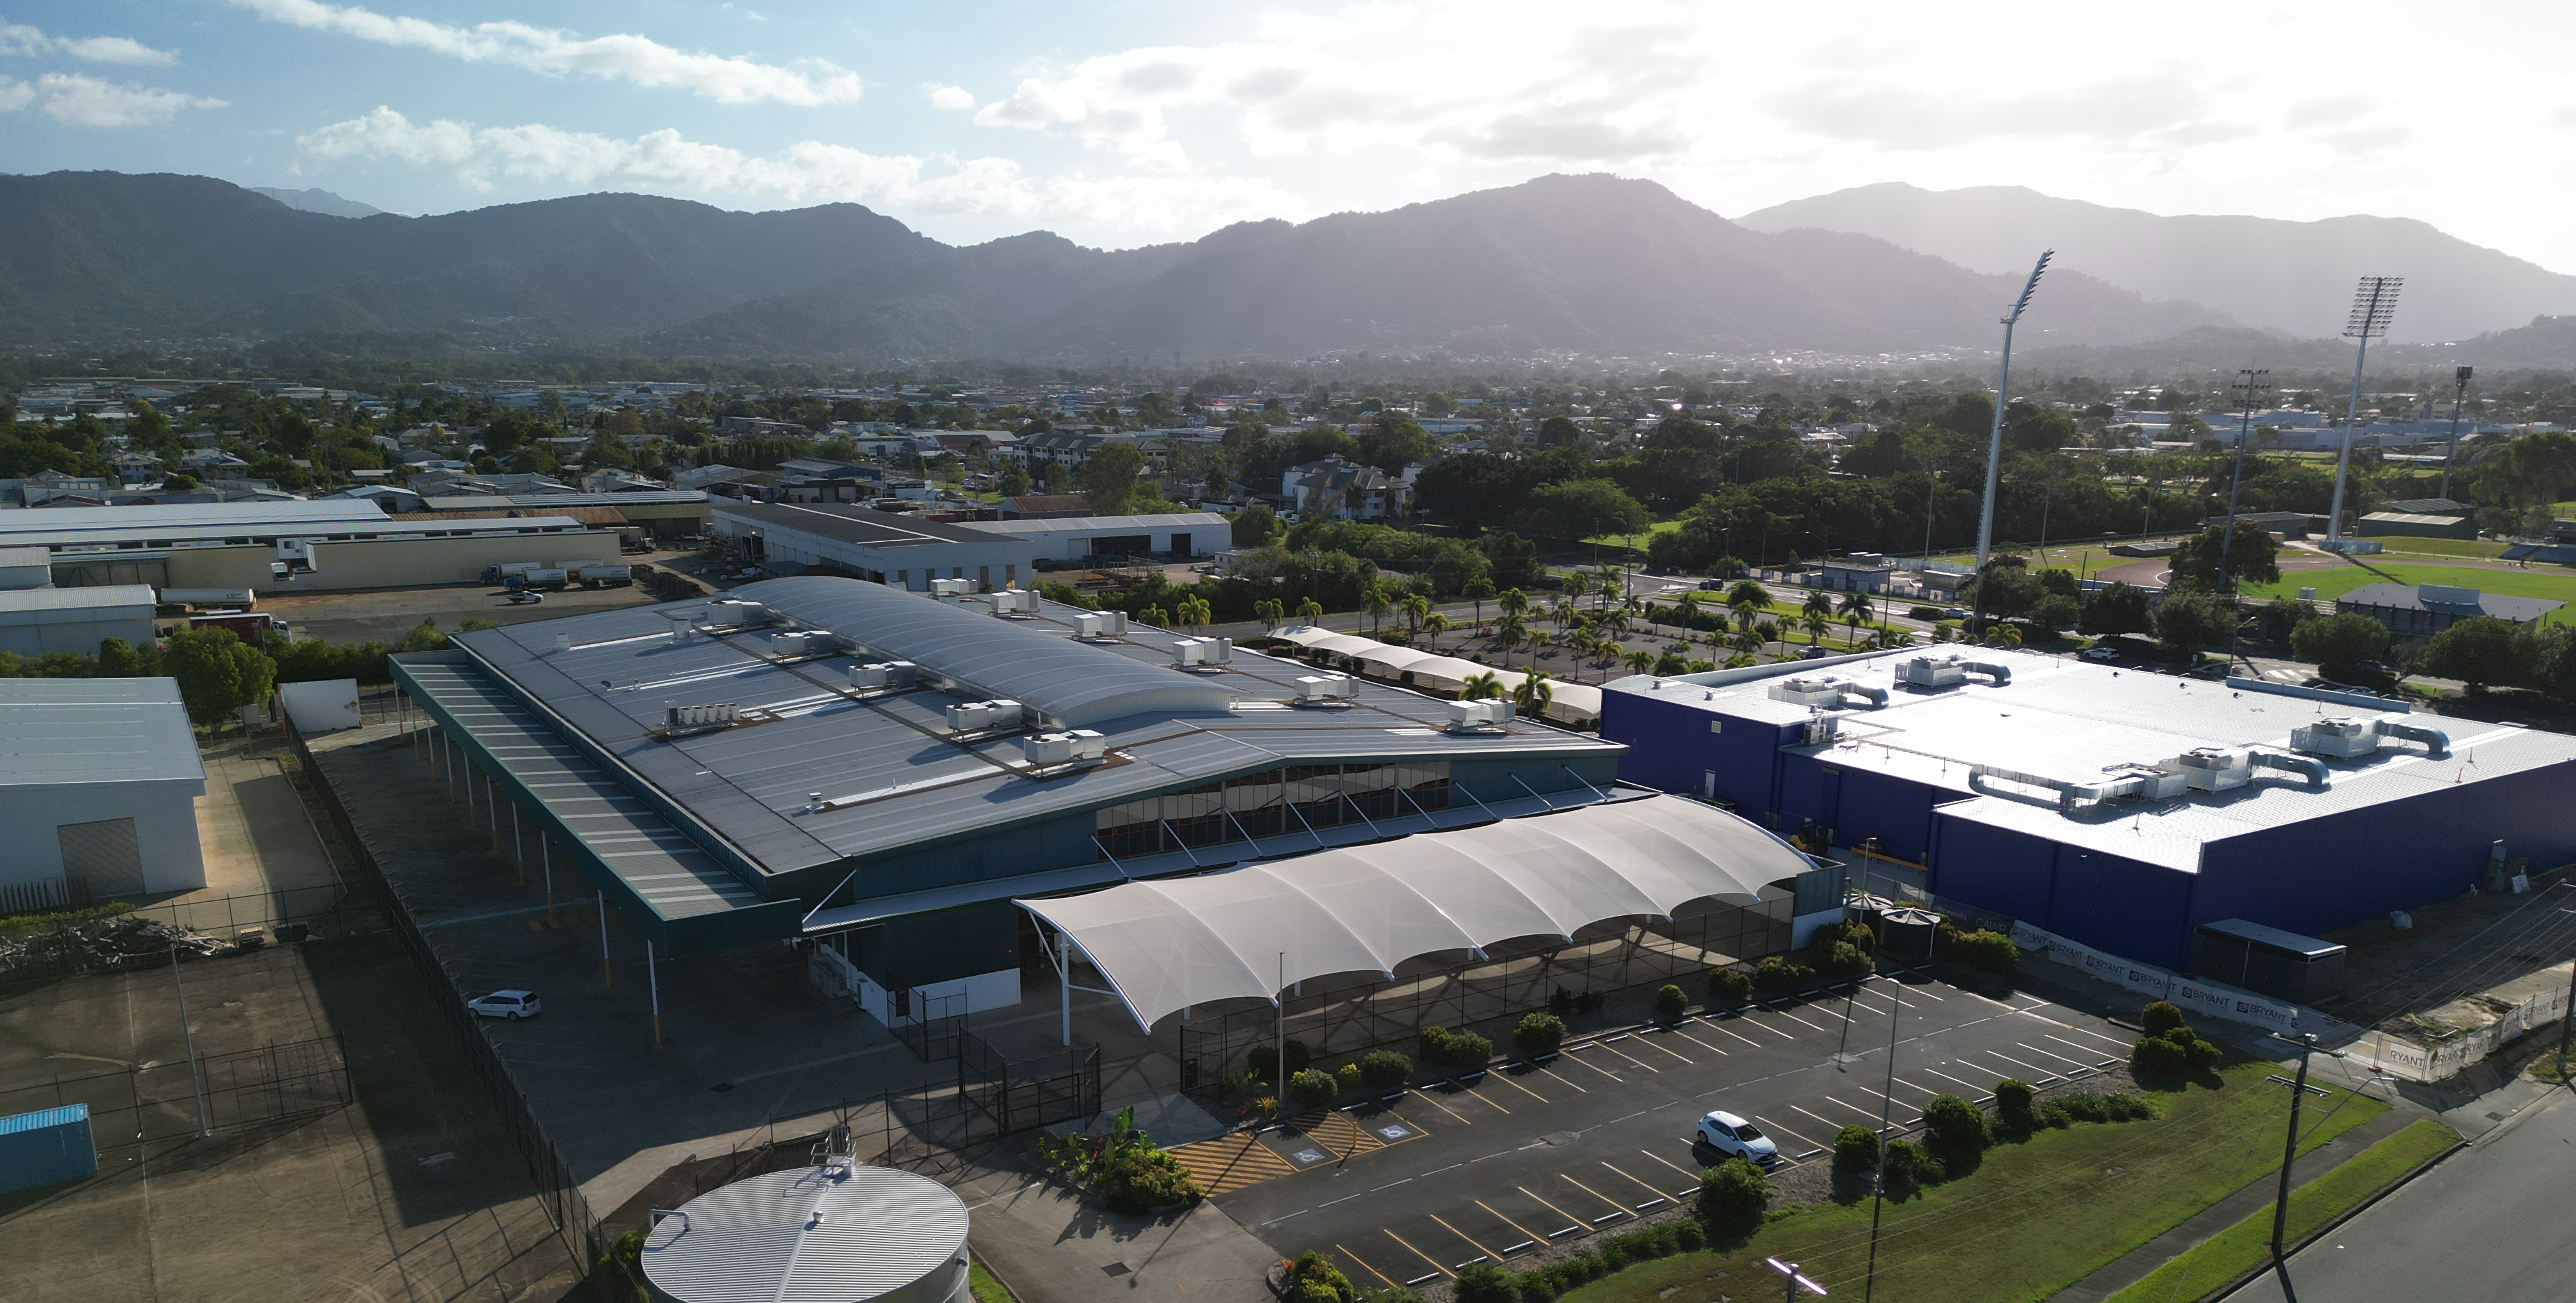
point(317, 201)
point(1588, 265)
point(2293, 277)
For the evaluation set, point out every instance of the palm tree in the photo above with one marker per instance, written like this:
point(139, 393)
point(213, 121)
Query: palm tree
point(1514, 602)
point(1478, 590)
point(1373, 600)
point(1532, 695)
point(1747, 641)
point(1417, 608)
point(1577, 584)
point(1155, 616)
point(1481, 686)
point(1744, 591)
point(1309, 610)
point(1855, 610)
point(1509, 631)
point(1437, 623)
point(1608, 653)
point(1819, 603)
point(1562, 613)
point(1641, 660)
point(1270, 611)
point(1815, 623)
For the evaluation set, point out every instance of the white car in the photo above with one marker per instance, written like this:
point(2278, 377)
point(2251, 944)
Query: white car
point(515, 1005)
point(2100, 653)
point(1736, 1138)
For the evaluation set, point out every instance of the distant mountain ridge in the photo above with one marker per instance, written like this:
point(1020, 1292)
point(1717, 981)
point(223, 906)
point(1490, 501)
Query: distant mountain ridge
point(2295, 277)
point(317, 201)
point(1562, 264)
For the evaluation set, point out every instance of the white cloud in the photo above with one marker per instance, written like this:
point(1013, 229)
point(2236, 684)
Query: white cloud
point(951, 97)
point(15, 95)
point(727, 79)
point(85, 101)
point(1150, 196)
point(19, 39)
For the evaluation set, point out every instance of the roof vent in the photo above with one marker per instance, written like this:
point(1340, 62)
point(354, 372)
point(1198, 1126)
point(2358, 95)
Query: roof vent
point(702, 719)
point(1015, 603)
point(1488, 715)
point(1323, 689)
point(1100, 626)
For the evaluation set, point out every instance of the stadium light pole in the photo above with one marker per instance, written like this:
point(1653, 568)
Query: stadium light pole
point(2250, 385)
point(2450, 450)
point(2374, 305)
point(1995, 438)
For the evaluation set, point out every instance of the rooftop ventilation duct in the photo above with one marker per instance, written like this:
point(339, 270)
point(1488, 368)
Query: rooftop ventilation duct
point(2309, 767)
point(699, 719)
point(2213, 769)
point(1319, 689)
point(1489, 715)
point(885, 675)
point(2146, 785)
point(1013, 602)
point(2435, 741)
point(1050, 750)
point(2346, 737)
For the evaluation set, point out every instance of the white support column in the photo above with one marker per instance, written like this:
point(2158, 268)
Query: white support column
point(653, 983)
point(1064, 975)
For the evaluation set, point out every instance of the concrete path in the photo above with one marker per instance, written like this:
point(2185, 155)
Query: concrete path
point(1052, 1246)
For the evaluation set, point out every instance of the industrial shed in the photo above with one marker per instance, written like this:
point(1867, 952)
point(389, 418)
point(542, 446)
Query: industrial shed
point(886, 772)
point(34, 621)
point(1072, 538)
point(881, 546)
point(2115, 808)
point(326, 545)
point(98, 786)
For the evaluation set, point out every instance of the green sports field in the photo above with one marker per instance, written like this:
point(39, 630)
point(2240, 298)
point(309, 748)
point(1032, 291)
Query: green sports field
point(2550, 583)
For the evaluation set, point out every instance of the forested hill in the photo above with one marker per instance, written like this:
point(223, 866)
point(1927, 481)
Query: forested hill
point(1587, 264)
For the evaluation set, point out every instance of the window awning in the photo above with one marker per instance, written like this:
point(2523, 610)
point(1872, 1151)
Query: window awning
point(1252, 931)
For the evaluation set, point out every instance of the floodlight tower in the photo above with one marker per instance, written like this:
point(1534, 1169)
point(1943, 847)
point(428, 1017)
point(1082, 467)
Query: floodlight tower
point(1995, 440)
point(2374, 304)
point(2460, 379)
point(2250, 386)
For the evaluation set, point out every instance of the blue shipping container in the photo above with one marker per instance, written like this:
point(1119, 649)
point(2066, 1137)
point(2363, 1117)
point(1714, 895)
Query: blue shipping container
point(46, 1147)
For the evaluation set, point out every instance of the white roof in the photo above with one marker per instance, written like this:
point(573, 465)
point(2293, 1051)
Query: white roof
point(1096, 524)
point(1170, 944)
point(1569, 702)
point(812, 1235)
point(93, 598)
point(74, 732)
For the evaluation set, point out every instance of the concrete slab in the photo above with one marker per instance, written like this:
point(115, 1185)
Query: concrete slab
point(1052, 1246)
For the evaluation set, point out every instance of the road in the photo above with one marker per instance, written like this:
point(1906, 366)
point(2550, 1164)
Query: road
point(2489, 1223)
point(1442, 1177)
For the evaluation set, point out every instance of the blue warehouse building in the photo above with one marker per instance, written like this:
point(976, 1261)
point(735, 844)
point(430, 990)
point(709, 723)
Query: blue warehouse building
point(2115, 808)
point(882, 772)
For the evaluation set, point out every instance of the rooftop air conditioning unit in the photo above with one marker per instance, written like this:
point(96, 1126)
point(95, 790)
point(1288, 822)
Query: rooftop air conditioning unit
point(950, 588)
point(1089, 744)
point(1808, 690)
point(684, 719)
point(1931, 672)
point(883, 674)
point(731, 614)
point(1047, 750)
point(1014, 601)
point(1324, 687)
point(976, 716)
point(2341, 736)
point(1488, 715)
point(795, 643)
point(1823, 729)
point(1189, 652)
point(2213, 769)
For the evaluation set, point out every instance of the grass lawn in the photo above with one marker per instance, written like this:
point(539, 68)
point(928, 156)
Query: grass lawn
point(2334, 581)
point(2034, 1217)
point(2484, 549)
point(1641, 537)
point(2248, 1244)
point(988, 1289)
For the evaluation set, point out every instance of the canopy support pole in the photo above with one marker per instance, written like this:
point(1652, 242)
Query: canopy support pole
point(1247, 835)
point(1184, 844)
point(1374, 830)
point(653, 984)
point(1551, 805)
point(1064, 975)
point(1587, 783)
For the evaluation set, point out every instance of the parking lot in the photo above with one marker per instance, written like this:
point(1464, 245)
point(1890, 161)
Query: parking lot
point(1413, 1188)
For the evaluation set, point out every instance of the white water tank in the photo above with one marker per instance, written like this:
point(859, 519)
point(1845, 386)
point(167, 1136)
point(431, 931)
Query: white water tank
point(846, 1233)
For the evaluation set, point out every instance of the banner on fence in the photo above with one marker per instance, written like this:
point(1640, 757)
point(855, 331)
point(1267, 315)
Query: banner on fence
point(2190, 994)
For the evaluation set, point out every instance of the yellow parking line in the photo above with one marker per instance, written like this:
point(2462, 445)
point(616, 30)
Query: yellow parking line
point(1524, 1232)
point(1629, 1057)
point(1669, 1163)
point(1554, 1209)
point(1442, 1107)
point(1614, 1204)
point(1649, 1189)
point(1508, 1081)
point(1487, 1102)
point(1660, 1045)
point(1577, 1089)
point(1390, 1284)
point(1470, 1239)
point(1435, 1263)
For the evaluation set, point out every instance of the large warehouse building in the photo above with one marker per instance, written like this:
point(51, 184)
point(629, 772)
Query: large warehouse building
point(827, 757)
point(99, 780)
point(910, 551)
point(322, 546)
point(2115, 808)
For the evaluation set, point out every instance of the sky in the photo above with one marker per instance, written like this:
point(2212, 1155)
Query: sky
point(1133, 122)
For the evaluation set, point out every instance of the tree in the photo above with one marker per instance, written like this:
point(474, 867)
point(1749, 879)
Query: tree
point(1480, 686)
point(1374, 602)
point(1855, 607)
point(2252, 559)
point(217, 674)
point(2484, 652)
point(1532, 695)
point(2117, 609)
point(1108, 477)
point(2339, 642)
point(2190, 619)
point(1578, 509)
point(1256, 526)
point(1479, 591)
point(1640, 661)
point(1309, 610)
point(1733, 1196)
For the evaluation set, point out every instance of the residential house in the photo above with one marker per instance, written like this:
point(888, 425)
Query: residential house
point(1345, 490)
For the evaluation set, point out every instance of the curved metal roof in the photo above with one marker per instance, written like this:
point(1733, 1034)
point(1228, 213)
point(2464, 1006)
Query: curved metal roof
point(1170, 944)
point(1035, 665)
point(812, 1235)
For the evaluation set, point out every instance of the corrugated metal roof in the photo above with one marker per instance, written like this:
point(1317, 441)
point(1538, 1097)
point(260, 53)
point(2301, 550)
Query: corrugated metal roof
point(77, 599)
point(44, 1119)
point(1095, 524)
point(191, 516)
point(808, 1236)
point(846, 524)
point(74, 731)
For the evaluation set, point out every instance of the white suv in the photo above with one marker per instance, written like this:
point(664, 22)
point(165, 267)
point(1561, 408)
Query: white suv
point(1736, 1138)
point(519, 1004)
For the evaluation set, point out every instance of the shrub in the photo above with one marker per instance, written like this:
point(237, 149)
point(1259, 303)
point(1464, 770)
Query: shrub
point(2098, 1106)
point(1856, 1149)
point(1434, 1042)
point(1385, 1069)
point(2016, 1110)
point(1909, 1164)
point(1263, 1060)
point(1987, 952)
point(2154, 1056)
point(1312, 1089)
point(1729, 985)
point(1842, 959)
point(1926, 613)
point(1144, 1179)
point(1670, 1002)
point(1468, 1052)
point(1315, 1276)
point(1782, 976)
point(2161, 1017)
point(1539, 1033)
point(1349, 1075)
point(1484, 1283)
point(1953, 1124)
point(1733, 1196)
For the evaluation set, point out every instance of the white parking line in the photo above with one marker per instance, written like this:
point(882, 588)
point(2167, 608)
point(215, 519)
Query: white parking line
point(2081, 1063)
point(2125, 1045)
point(1998, 1054)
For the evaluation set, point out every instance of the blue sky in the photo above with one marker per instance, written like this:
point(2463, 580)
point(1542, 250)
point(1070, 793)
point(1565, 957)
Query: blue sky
point(1119, 124)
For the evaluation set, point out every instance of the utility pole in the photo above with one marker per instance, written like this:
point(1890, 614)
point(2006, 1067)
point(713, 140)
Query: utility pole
point(188, 1035)
point(2374, 305)
point(2289, 1153)
point(1878, 1182)
point(2460, 391)
point(1995, 438)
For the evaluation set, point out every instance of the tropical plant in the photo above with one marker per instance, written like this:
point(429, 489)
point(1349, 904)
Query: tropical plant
point(1856, 1149)
point(1532, 696)
point(1815, 625)
point(1513, 602)
point(1417, 608)
point(1730, 986)
point(1385, 1069)
point(1311, 1089)
point(1733, 1196)
point(1641, 660)
point(1481, 685)
point(1855, 605)
point(1770, 631)
point(1479, 590)
point(1373, 601)
point(1271, 612)
point(1309, 610)
point(1671, 1002)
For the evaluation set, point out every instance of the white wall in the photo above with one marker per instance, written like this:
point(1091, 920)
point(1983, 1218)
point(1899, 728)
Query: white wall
point(33, 633)
point(165, 828)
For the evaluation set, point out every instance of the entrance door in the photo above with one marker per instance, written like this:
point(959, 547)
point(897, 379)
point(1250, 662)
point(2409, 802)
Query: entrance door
point(103, 855)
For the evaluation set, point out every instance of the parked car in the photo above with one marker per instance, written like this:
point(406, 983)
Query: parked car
point(512, 1005)
point(1954, 613)
point(1736, 1138)
point(2101, 653)
point(523, 597)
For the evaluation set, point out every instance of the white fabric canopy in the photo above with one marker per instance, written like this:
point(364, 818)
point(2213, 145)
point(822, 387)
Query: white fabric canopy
point(1572, 702)
point(1167, 945)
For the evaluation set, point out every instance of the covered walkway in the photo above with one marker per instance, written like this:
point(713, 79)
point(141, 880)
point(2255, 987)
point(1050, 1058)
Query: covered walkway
point(1574, 703)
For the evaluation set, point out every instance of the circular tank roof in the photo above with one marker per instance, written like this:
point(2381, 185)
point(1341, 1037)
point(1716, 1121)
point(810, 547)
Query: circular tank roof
point(830, 1235)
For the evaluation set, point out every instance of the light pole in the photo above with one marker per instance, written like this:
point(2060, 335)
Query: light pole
point(2249, 385)
point(2374, 305)
point(187, 1034)
point(1995, 438)
point(1791, 1282)
point(2460, 381)
point(2289, 1151)
point(1886, 1111)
